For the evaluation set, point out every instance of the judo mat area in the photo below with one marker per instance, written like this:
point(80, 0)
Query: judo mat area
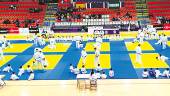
point(117, 54)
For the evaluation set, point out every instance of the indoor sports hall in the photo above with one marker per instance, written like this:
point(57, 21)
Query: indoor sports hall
point(84, 47)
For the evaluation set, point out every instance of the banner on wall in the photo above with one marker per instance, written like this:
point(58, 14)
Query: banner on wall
point(80, 5)
point(166, 27)
point(158, 27)
point(115, 5)
point(106, 31)
point(99, 30)
point(3, 31)
point(93, 28)
point(24, 30)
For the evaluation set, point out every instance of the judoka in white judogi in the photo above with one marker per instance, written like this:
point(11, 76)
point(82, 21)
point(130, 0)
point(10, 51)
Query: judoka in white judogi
point(83, 56)
point(52, 43)
point(138, 54)
point(8, 68)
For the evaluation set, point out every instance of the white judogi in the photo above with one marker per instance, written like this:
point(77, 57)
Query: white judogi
point(31, 77)
point(93, 77)
point(21, 71)
point(141, 37)
point(158, 73)
point(37, 50)
point(103, 76)
point(98, 75)
point(160, 40)
point(3, 46)
point(166, 73)
point(9, 44)
point(163, 58)
point(52, 43)
point(97, 57)
point(71, 68)
point(37, 57)
point(145, 74)
point(83, 70)
point(14, 77)
point(153, 33)
point(139, 31)
point(1, 53)
point(83, 56)
point(4, 39)
point(98, 68)
point(138, 54)
point(76, 71)
point(164, 42)
point(99, 39)
point(29, 70)
point(111, 73)
point(98, 42)
point(77, 39)
point(41, 41)
point(7, 69)
point(44, 62)
point(77, 44)
point(36, 40)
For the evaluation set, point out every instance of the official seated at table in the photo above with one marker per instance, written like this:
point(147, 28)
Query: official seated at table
point(92, 75)
point(98, 75)
point(76, 70)
point(103, 76)
point(83, 69)
point(93, 79)
point(98, 68)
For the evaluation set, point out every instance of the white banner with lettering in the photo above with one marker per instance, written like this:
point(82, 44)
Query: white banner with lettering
point(24, 30)
point(91, 30)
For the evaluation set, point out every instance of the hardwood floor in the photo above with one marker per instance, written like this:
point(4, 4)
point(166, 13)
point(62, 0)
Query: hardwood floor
point(137, 87)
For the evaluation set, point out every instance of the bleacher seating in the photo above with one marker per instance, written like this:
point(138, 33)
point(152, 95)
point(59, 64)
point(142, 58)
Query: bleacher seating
point(21, 13)
point(158, 8)
point(129, 6)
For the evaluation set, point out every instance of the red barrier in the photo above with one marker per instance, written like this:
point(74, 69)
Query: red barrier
point(13, 30)
point(166, 27)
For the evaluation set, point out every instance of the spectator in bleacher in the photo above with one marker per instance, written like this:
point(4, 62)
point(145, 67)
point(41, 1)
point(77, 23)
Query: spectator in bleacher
point(17, 22)
point(13, 7)
point(7, 21)
point(128, 15)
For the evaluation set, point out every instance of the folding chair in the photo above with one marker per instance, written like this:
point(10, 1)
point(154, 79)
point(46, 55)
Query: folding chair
point(93, 84)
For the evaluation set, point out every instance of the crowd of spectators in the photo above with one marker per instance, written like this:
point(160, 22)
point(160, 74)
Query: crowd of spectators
point(66, 14)
point(162, 20)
